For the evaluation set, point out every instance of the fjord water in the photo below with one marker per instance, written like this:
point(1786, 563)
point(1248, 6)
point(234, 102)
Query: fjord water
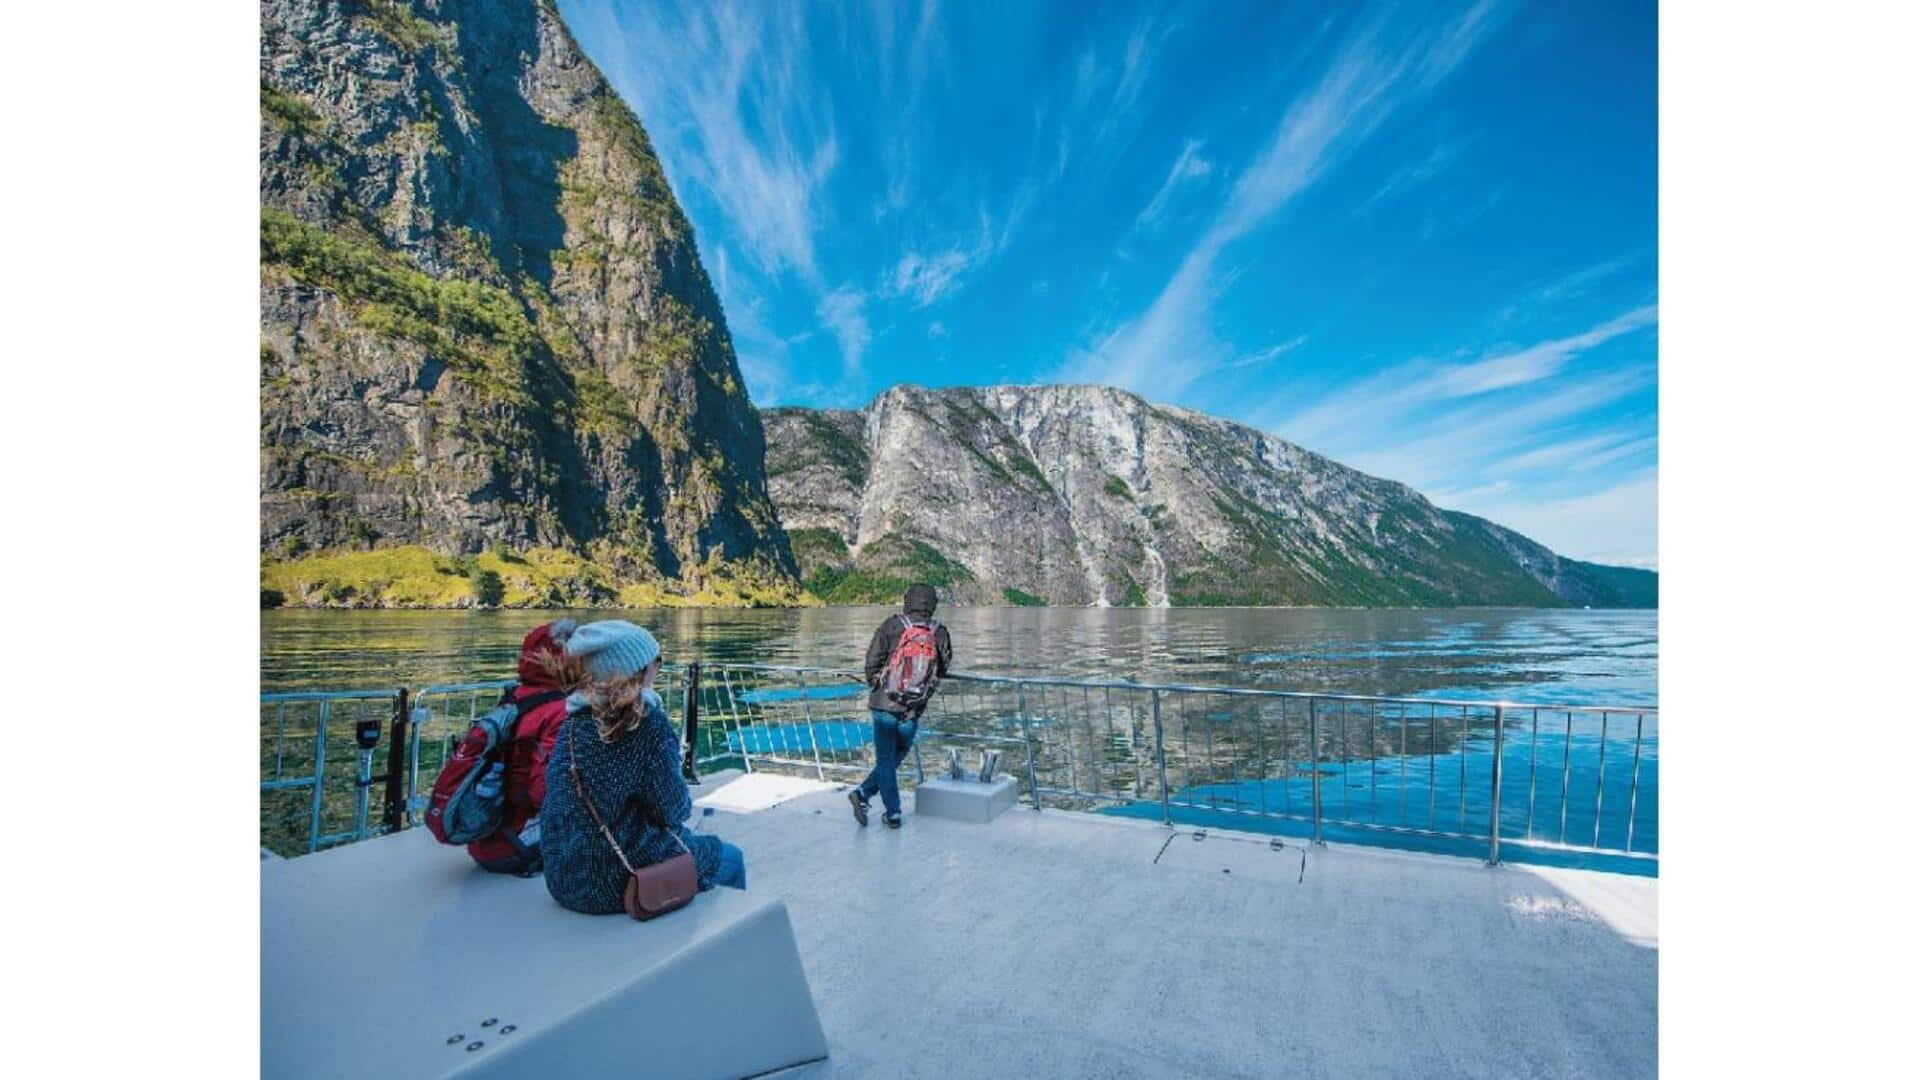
point(1550, 657)
point(1560, 771)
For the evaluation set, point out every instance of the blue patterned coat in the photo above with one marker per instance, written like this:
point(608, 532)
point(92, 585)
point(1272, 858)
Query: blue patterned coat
point(625, 779)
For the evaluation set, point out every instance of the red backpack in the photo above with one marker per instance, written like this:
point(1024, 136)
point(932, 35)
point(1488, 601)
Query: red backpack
point(913, 667)
point(469, 796)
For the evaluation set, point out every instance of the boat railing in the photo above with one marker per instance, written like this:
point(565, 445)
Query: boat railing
point(1443, 774)
point(318, 752)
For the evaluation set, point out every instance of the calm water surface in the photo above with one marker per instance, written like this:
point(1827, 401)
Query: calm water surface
point(1571, 778)
point(1549, 657)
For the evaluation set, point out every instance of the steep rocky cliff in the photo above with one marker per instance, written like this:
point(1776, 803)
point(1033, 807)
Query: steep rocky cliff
point(488, 346)
point(1089, 495)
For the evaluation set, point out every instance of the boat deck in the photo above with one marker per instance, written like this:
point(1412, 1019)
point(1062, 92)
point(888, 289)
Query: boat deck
point(1063, 944)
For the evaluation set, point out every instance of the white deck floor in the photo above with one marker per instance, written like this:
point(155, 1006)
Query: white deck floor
point(1054, 944)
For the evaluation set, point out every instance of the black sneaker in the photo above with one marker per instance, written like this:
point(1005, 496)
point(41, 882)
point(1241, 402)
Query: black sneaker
point(892, 820)
point(859, 807)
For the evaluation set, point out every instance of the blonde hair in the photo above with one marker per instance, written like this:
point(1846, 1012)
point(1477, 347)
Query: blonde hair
point(618, 706)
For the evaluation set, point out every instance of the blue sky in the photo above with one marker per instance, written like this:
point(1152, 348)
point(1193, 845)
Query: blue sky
point(1420, 240)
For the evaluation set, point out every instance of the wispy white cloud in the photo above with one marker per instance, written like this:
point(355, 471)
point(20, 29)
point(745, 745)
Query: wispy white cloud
point(1549, 295)
point(920, 55)
point(1629, 448)
point(844, 310)
point(927, 277)
point(1087, 76)
point(1390, 395)
point(1580, 454)
point(767, 380)
point(1579, 281)
point(1468, 439)
point(1618, 524)
point(736, 121)
point(1136, 62)
point(1188, 166)
point(1409, 177)
point(904, 75)
point(1519, 434)
point(1259, 357)
point(1107, 93)
point(1380, 69)
point(1518, 366)
point(763, 354)
point(1465, 496)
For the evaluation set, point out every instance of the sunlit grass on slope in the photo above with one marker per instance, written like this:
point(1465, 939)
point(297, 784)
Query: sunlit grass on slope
point(415, 577)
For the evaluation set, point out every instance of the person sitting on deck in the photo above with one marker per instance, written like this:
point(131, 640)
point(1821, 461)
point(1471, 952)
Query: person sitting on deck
point(629, 766)
point(515, 847)
point(906, 660)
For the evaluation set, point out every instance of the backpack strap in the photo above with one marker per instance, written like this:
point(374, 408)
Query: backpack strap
point(534, 701)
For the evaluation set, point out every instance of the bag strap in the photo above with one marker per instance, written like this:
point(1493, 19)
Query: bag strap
point(573, 767)
point(534, 701)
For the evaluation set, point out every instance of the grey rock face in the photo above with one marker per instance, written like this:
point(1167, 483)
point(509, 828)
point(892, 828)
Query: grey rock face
point(483, 317)
point(1090, 495)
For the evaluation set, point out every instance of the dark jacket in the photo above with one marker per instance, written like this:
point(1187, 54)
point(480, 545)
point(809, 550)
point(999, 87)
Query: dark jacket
point(881, 648)
point(634, 782)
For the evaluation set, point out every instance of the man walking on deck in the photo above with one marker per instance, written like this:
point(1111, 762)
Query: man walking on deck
point(906, 660)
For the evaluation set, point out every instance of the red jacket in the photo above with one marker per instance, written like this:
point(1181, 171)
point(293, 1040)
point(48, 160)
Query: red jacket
point(526, 778)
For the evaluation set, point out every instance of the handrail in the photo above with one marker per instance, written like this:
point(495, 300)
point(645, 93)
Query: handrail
point(1231, 691)
point(1041, 680)
point(325, 695)
point(1275, 744)
point(463, 688)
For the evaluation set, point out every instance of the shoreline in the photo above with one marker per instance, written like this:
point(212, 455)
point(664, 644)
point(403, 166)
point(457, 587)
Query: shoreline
point(945, 606)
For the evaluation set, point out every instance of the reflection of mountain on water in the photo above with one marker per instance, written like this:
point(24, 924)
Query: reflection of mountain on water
point(1555, 656)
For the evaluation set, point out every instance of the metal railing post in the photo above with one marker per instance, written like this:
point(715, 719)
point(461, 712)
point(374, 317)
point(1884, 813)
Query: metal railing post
point(1313, 739)
point(362, 788)
point(319, 775)
point(420, 717)
point(1499, 754)
point(394, 804)
point(1026, 732)
point(1633, 792)
point(690, 721)
point(1160, 750)
point(733, 713)
point(813, 737)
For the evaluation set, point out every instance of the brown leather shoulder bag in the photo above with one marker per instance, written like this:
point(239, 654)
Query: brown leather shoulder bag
point(654, 890)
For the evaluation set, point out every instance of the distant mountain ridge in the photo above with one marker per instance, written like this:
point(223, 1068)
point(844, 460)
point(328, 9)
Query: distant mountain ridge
point(493, 369)
point(1092, 495)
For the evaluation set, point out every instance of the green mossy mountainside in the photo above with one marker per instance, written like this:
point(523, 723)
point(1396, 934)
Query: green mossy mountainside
point(1090, 495)
point(485, 330)
point(886, 568)
point(412, 576)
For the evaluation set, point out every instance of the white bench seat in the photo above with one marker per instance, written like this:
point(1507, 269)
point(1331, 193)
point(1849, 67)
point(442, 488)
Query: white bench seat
point(389, 957)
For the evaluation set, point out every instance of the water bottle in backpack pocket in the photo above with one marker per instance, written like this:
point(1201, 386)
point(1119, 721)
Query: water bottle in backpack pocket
point(469, 796)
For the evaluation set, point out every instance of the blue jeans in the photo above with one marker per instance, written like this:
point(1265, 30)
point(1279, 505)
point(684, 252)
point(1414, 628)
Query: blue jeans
point(892, 738)
point(733, 867)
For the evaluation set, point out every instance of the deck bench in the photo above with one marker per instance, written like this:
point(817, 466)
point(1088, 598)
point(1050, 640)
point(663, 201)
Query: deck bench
point(399, 957)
